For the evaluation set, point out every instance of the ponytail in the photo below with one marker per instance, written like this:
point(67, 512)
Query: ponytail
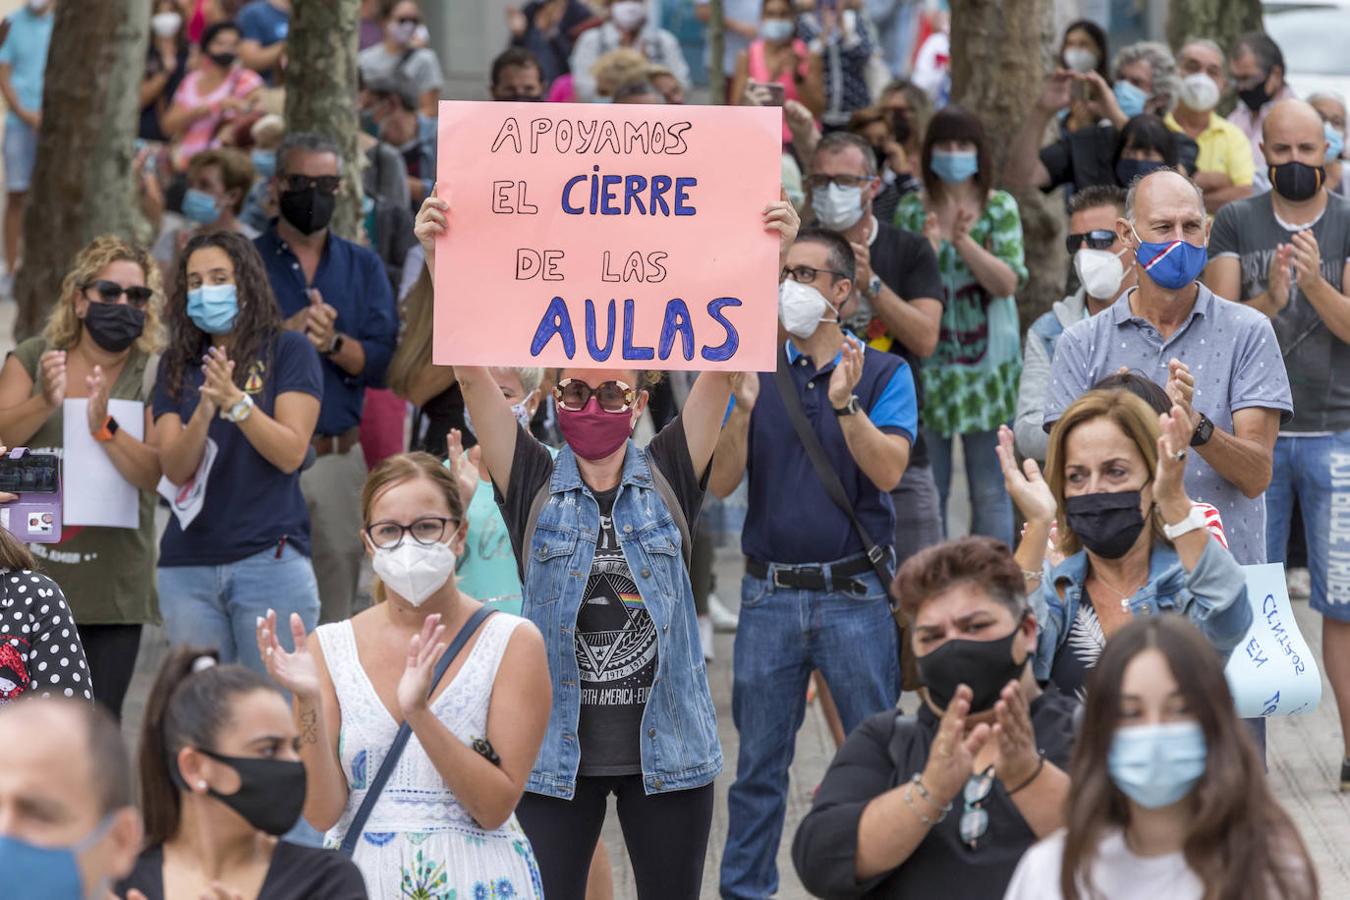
point(189, 704)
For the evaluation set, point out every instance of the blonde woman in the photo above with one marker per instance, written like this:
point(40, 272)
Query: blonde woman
point(98, 345)
point(444, 823)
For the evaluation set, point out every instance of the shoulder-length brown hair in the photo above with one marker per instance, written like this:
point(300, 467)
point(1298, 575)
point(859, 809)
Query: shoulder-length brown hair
point(63, 328)
point(1134, 417)
point(1241, 843)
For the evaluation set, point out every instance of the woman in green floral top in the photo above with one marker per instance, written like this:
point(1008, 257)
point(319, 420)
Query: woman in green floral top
point(970, 381)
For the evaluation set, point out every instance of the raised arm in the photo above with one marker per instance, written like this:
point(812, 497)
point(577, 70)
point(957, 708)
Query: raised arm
point(728, 464)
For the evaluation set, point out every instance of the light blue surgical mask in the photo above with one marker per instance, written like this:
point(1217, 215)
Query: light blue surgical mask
point(1157, 765)
point(1130, 98)
point(213, 307)
point(52, 873)
point(264, 163)
point(1335, 142)
point(776, 30)
point(200, 207)
point(838, 208)
point(955, 166)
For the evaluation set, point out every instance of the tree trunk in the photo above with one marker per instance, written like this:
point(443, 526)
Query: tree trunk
point(1001, 50)
point(321, 81)
point(717, 37)
point(1219, 20)
point(82, 184)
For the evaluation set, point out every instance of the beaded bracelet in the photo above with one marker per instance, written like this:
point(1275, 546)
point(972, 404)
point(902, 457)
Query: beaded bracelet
point(917, 782)
point(1032, 574)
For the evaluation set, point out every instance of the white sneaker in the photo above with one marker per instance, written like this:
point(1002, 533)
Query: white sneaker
point(723, 619)
point(705, 637)
point(1300, 584)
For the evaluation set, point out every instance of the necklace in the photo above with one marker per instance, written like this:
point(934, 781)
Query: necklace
point(1122, 597)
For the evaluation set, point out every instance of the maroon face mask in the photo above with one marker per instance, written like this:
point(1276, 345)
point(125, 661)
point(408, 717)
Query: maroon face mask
point(592, 433)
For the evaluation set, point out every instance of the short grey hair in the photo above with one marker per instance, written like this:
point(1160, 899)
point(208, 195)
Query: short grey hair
point(838, 141)
point(1161, 63)
point(1202, 42)
point(1139, 180)
point(1321, 96)
point(308, 142)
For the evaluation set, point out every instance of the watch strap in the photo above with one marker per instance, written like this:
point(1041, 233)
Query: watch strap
point(1204, 430)
point(852, 407)
point(1194, 520)
point(108, 431)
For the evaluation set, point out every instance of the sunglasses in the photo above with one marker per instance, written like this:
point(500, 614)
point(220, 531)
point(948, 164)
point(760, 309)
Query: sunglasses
point(1096, 239)
point(111, 292)
point(806, 274)
point(613, 396)
point(974, 818)
point(426, 531)
point(324, 184)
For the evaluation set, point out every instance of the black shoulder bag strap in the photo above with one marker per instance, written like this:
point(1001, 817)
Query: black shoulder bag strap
point(879, 556)
point(405, 731)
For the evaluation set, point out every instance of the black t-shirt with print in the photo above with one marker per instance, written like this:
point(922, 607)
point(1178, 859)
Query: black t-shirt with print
point(615, 636)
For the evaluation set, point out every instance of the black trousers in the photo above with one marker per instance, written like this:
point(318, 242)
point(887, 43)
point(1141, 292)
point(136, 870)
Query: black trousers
point(666, 836)
point(111, 653)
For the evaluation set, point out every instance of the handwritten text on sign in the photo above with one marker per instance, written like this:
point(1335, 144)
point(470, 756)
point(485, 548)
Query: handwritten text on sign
point(614, 237)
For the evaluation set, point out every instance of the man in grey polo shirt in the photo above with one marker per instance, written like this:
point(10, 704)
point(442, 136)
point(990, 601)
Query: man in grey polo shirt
point(1218, 360)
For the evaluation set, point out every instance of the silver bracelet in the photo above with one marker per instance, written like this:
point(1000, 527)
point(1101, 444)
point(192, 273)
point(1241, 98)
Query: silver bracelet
point(909, 801)
point(917, 782)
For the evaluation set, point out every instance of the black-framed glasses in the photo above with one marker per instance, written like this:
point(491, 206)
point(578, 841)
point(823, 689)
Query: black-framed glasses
point(426, 531)
point(821, 182)
point(1096, 239)
point(613, 396)
point(111, 292)
point(806, 274)
point(325, 184)
point(974, 818)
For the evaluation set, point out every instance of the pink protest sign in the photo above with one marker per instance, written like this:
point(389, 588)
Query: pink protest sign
point(607, 236)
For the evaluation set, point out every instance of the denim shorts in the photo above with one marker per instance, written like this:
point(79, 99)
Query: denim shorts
point(20, 154)
point(1316, 470)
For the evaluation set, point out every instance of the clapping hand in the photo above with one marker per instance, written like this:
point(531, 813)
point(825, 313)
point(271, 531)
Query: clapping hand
point(296, 671)
point(1180, 389)
point(965, 218)
point(98, 399)
point(52, 368)
point(1014, 737)
point(320, 322)
point(1307, 259)
point(219, 388)
point(463, 468)
point(951, 758)
point(1028, 489)
point(933, 231)
point(424, 650)
point(1277, 276)
point(846, 374)
point(1169, 489)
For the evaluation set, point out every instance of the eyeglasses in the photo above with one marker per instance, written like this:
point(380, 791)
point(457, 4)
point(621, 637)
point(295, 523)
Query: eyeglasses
point(1097, 239)
point(111, 292)
point(613, 396)
point(325, 184)
point(806, 274)
point(426, 531)
point(974, 818)
point(821, 182)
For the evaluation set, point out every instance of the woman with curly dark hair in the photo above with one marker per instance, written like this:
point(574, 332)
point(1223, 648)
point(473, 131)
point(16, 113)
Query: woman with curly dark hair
point(1169, 798)
point(235, 408)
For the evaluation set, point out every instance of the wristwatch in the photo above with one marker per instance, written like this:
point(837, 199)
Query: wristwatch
point(1194, 520)
point(1204, 430)
point(852, 407)
point(240, 411)
point(334, 347)
point(108, 431)
point(873, 286)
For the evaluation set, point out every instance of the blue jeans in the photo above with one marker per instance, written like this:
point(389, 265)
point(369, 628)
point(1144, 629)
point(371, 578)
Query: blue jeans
point(1316, 470)
point(219, 606)
point(991, 512)
point(783, 634)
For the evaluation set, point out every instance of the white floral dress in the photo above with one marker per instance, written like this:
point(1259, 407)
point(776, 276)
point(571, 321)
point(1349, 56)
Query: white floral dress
point(420, 843)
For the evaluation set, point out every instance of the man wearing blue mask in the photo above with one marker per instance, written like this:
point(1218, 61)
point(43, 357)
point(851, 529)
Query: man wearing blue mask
point(69, 828)
point(1217, 360)
point(1284, 253)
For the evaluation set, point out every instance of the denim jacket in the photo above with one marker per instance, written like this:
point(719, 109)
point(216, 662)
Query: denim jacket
point(1213, 595)
point(680, 748)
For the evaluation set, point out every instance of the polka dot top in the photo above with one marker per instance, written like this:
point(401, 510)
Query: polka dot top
point(40, 652)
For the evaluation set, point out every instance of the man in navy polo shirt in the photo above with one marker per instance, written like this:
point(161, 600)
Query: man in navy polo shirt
point(810, 598)
point(336, 293)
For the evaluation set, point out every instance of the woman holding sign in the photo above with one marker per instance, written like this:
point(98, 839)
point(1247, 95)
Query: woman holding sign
point(91, 370)
point(1169, 799)
point(1135, 543)
point(602, 536)
point(235, 407)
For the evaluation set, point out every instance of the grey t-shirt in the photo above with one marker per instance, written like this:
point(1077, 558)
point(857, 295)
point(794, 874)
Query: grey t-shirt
point(1316, 359)
point(1231, 351)
point(419, 66)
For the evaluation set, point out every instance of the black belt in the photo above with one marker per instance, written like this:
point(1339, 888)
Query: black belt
point(811, 577)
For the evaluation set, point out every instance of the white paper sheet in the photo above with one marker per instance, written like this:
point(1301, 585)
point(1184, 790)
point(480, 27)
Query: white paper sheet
point(186, 499)
point(1272, 672)
point(94, 492)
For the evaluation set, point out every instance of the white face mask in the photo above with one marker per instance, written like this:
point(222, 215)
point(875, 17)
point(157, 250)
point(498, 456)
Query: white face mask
point(801, 308)
point(1100, 271)
point(166, 24)
point(1199, 92)
point(519, 410)
point(836, 207)
point(628, 15)
point(414, 571)
point(1080, 59)
point(402, 33)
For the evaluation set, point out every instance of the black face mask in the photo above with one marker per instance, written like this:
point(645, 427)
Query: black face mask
point(271, 792)
point(309, 209)
point(1106, 523)
point(985, 667)
point(1255, 97)
point(1297, 181)
point(114, 326)
point(224, 60)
